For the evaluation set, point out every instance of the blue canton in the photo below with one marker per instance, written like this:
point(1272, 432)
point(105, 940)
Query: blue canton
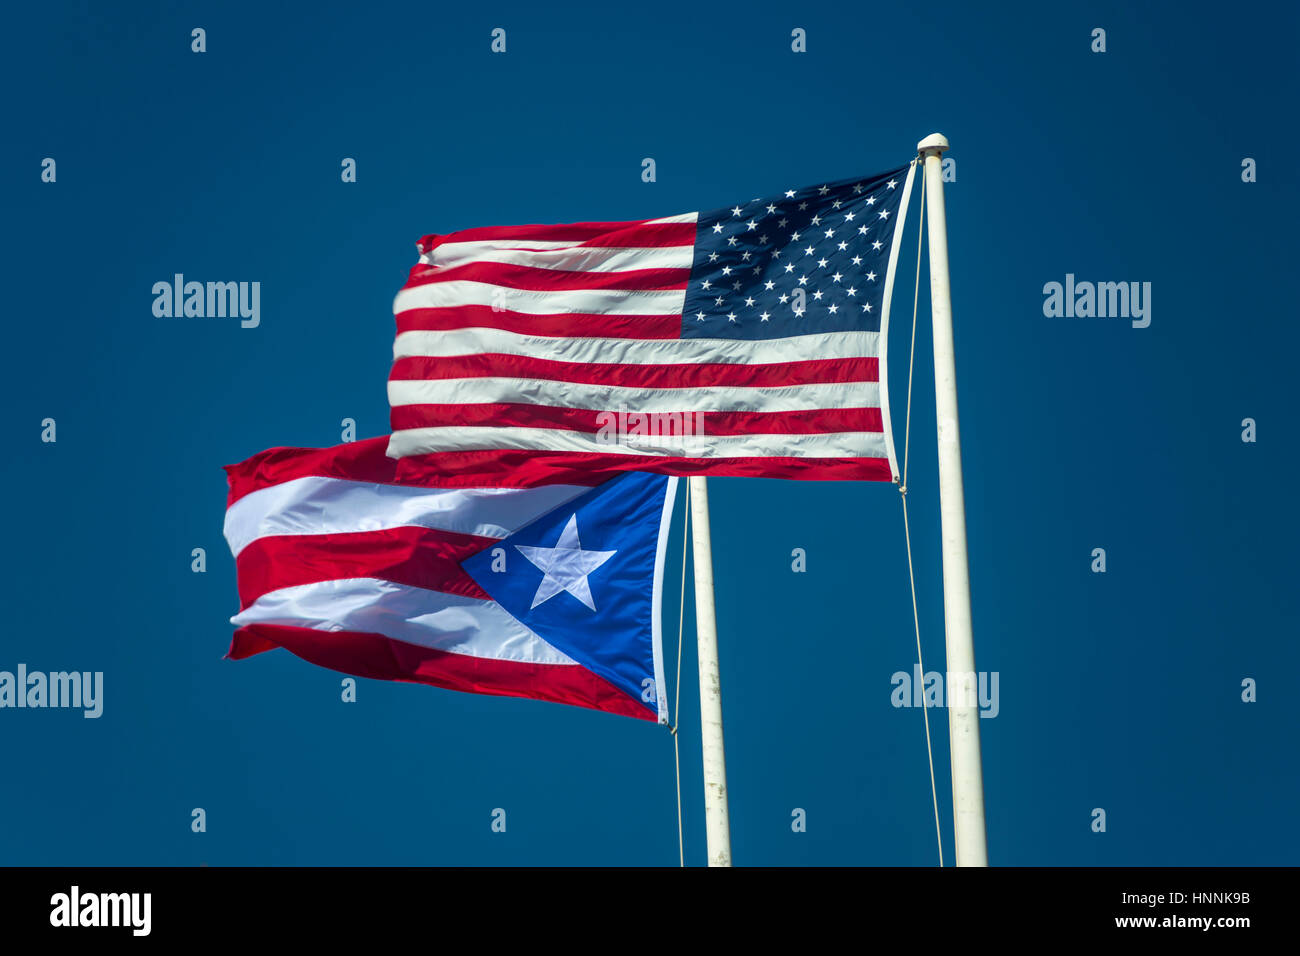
point(809, 260)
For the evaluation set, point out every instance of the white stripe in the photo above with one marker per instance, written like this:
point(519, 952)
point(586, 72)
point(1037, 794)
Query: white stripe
point(796, 348)
point(336, 506)
point(462, 292)
point(680, 217)
point(444, 622)
point(523, 244)
point(420, 441)
point(705, 398)
point(485, 249)
point(566, 257)
point(545, 253)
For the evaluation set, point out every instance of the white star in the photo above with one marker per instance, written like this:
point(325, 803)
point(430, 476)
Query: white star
point(891, 184)
point(731, 316)
point(783, 298)
point(857, 260)
point(752, 226)
point(718, 300)
point(837, 277)
point(803, 280)
point(794, 237)
point(771, 208)
point(565, 567)
point(842, 246)
point(866, 306)
point(749, 301)
point(764, 317)
point(744, 256)
point(851, 290)
point(829, 233)
point(871, 276)
point(803, 206)
point(849, 217)
point(884, 214)
point(717, 227)
point(836, 204)
point(769, 285)
point(735, 210)
point(789, 267)
point(876, 245)
point(699, 316)
point(731, 240)
point(789, 194)
point(862, 230)
point(816, 220)
point(705, 284)
point(833, 309)
point(726, 270)
point(782, 223)
point(807, 250)
point(823, 190)
point(798, 312)
point(858, 188)
point(821, 263)
point(762, 239)
point(817, 294)
point(713, 257)
point(871, 200)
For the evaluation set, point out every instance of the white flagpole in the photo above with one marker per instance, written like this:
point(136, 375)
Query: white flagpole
point(717, 825)
point(963, 704)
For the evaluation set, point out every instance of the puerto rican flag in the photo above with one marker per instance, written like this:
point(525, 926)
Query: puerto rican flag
point(746, 341)
point(549, 592)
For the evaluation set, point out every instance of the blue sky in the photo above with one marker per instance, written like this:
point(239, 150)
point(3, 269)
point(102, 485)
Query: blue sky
point(1119, 691)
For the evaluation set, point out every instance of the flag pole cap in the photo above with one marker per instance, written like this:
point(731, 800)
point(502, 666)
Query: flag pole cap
point(934, 143)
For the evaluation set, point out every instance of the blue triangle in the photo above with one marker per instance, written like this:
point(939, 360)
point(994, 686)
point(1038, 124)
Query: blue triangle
point(616, 639)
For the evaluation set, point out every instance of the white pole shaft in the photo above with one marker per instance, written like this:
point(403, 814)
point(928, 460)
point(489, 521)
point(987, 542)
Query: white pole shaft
point(963, 703)
point(717, 825)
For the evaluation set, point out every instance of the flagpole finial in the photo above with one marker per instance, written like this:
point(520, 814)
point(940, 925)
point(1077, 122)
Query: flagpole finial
point(934, 143)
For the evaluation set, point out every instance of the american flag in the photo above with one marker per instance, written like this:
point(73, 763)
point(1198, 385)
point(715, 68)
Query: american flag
point(746, 341)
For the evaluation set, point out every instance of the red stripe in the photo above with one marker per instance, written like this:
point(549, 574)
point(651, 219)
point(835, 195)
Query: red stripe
point(550, 280)
point(568, 324)
point(776, 375)
point(365, 460)
point(418, 557)
point(604, 234)
point(816, 421)
point(382, 658)
point(514, 468)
